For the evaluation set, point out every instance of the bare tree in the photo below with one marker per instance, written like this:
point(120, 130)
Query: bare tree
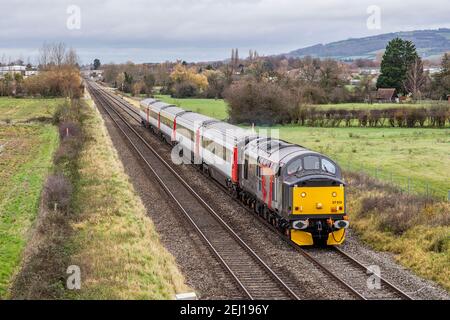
point(58, 53)
point(44, 55)
point(71, 58)
point(415, 79)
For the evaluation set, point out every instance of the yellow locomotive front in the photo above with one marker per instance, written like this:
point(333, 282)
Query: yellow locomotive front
point(319, 215)
point(316, 202)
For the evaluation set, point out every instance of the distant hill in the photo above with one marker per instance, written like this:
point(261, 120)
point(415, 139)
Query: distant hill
point(429, 44)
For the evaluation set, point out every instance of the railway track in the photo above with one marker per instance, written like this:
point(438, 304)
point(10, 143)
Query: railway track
point(367, 284)
point(346, 270)
point(251, 274)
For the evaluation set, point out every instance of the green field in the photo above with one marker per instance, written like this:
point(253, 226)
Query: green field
point(25, 159)
point(421, 156)
point(20, 110)
point(210, 107)
point(26, 152)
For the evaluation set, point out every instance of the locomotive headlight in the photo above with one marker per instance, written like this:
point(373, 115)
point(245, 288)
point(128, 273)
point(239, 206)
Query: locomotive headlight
point(303, 194)
point(334, 194)
point(341, 224)
point(300, 225)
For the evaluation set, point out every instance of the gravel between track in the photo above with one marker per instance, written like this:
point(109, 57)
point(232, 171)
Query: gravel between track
point(202, 270)
point(199, 266)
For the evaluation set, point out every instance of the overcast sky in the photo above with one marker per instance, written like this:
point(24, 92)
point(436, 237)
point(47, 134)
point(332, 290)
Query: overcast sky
point(200, 30)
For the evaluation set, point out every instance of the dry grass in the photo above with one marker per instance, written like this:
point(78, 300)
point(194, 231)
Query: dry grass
point(114, 242)
point(417, 231)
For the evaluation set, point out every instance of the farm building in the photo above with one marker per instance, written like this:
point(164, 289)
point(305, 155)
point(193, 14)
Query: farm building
point(387, 95)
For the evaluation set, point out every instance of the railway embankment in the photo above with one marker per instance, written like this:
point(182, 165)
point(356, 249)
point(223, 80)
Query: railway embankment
point(415, 229)
point(92, 238)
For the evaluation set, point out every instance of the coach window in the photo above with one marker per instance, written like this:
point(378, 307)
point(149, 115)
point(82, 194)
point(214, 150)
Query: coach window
point(224, 153)
point(258, 175)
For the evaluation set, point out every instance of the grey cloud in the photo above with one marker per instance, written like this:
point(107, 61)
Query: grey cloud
point(202, 29)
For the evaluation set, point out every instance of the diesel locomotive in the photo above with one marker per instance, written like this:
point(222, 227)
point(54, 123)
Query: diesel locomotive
point(298, 191)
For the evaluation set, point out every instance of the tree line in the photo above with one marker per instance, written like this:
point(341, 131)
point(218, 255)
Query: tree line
point(58, 75)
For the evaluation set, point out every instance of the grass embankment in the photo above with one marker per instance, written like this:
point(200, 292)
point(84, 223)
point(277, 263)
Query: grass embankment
point(416, 231)
point(104, 229)
point(25, 110)
point(115, 243)
point(25, 159)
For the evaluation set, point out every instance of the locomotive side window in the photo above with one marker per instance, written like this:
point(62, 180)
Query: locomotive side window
point(327, 166)
point(274, 189)
point(312, 163)
point(294, 167)
point(246, 167)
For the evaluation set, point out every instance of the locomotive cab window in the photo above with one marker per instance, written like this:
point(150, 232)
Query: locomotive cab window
point(295, 167)
point(328, 167)
point(312, 163)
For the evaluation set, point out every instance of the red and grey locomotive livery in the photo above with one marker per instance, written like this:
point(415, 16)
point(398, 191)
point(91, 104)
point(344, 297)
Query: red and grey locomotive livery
point(299, 191)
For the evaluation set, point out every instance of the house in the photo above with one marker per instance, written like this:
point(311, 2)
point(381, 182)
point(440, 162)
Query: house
point(387, 95)
point(16, 69)
point(12, 70)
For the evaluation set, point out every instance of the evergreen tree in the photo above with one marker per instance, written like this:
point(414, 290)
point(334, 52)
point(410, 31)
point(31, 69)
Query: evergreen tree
point(399, 56)
point(97, 64)
point(442, 79)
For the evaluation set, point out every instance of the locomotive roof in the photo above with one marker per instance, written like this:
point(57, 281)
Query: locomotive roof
point(276, 153)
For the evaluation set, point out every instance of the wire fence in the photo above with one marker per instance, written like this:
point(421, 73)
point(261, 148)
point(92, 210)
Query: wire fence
point(406, 184)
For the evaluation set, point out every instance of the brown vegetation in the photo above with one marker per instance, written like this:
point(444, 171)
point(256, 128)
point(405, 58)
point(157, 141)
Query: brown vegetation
point(415, 228)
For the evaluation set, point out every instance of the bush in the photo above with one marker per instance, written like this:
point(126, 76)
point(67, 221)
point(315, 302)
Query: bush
point(398, 221)
point(57, 82)
point(185, 90)
point(58, 192)
point(259, 102)
point(69, 130)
